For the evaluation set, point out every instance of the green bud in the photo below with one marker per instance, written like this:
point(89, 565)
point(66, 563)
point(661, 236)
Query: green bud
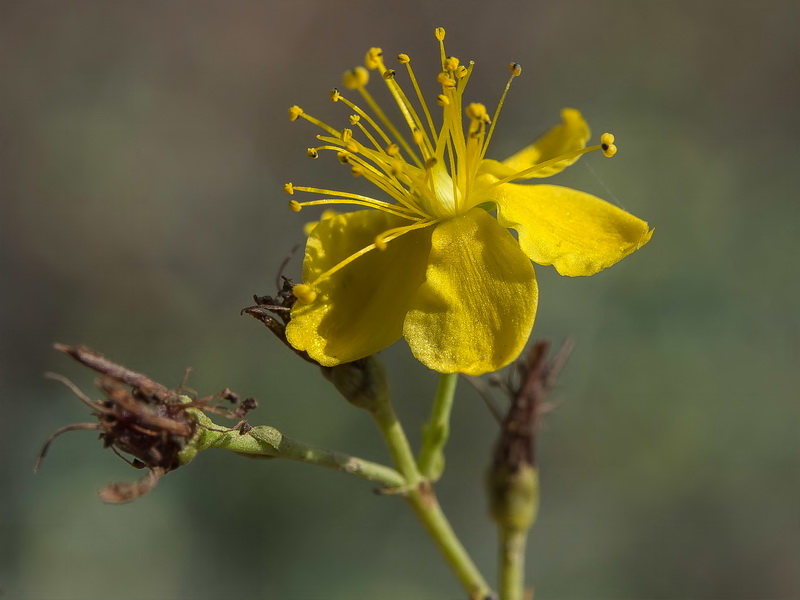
point(362, 382)
point(513, 496)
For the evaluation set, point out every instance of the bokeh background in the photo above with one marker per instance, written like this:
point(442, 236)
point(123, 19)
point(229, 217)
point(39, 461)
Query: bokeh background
point(144, 149)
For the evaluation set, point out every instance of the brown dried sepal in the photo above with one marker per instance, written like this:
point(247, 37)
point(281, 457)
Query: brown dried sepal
point(275, 313)
point(140, 418)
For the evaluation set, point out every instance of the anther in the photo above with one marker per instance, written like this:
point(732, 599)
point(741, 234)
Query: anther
point(397, 167)
point(607, 144)
point(357, 170)
point(335, 95)
point(477, 112)
point(430, 163)
point(451, 63)
point(446, 80)
point(418, 136)
point(380, 244)
point(355, 78)
point(354, 119)
point(392, 149)
point(439, 33)
point(295, 112)
point(515, 68)
point(295, 205)
point(346, 135)
point(342, 156)
point(442, 100)
point(389, 74)
point(312, 153)
point(461, 72)
point(373, 58)
point(288, 188)
point(352, 147)
point(403, 59)
point(304, 293)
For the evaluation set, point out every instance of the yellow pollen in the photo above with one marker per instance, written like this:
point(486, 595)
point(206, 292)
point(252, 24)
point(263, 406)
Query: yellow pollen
point(439, 33)
point(335, 95)
point(462, 72)
point(403, 59)
point(515, 68)
point(342, 156)
point(442, 100)
point(392, 149)
point(354, 119)
point(295, 206)
point(389, 74)
point(305, 293)
point(288, 188)
point(352, 146)
point(355, 78)
point(295, 112)
point(312, 153)
point(347, 135)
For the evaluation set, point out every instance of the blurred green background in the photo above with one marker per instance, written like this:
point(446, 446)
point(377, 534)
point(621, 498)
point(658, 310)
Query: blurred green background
point(144, 148)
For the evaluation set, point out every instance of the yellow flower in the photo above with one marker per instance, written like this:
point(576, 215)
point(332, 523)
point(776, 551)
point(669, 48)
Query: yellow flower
point(433, 264)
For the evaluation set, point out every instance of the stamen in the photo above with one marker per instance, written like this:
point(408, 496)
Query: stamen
point(306, 292)
point(296, 111)
point(609, 152)
point(406, 212)
point(382, 239)
point(420, 97)
point(516, 71)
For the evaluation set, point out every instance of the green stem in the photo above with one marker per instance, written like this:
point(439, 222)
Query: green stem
point(512, 563)
point(396, 440)
point(437, 429)
point(269, 442)
point(423, 500)
point(421, 497)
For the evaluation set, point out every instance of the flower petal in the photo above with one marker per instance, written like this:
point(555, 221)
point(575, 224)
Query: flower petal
point(577, 233)
point(475, 311)
point(359, 309)
point(569, 136)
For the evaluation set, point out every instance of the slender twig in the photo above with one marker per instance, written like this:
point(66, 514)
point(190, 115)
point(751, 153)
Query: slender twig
point(437, 429)
point(269, 442)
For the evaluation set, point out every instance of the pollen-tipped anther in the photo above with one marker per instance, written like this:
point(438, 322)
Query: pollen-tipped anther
point(515, 68)
point(294, 112)
point(373, 58)
point(288, 188)
point(335, 95)
point(295, 205)
point(304, 293)
point(439, 33)
point(607, 144)
point(446, 80)
point(403, 59)
point(355, 78)
point(312, 153)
